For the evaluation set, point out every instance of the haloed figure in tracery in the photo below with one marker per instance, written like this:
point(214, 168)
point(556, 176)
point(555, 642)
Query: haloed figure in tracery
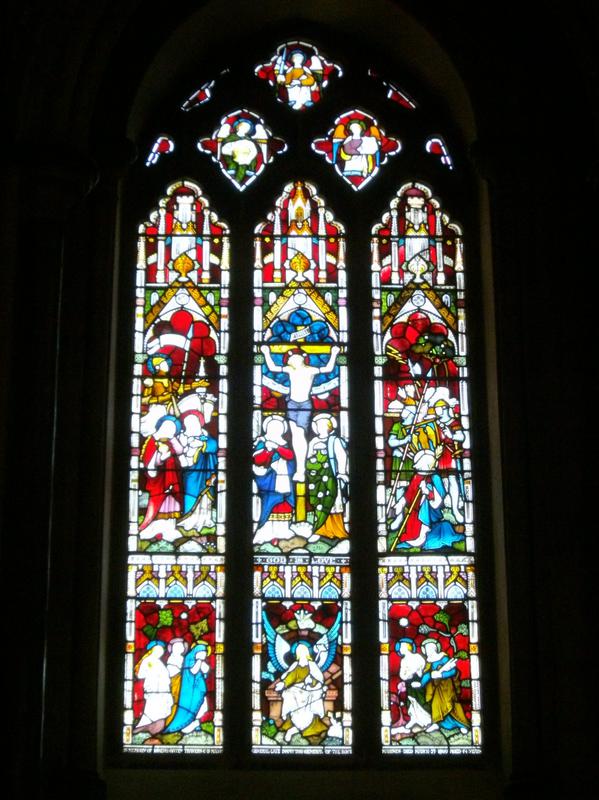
point(299, 80)
point(299, 73)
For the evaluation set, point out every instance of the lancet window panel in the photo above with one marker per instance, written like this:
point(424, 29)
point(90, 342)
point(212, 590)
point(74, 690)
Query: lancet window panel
point(174, 655)
point(301, 422)
point(421, 391)
point(301, 677)
point(425, 517)
point(177, 480)
point(301, 535)
point(180, 380)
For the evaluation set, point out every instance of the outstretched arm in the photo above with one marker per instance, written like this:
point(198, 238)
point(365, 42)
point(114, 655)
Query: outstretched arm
point(269, 360)
point(332, 358)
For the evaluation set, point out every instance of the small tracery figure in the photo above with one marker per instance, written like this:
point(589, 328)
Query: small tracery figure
point(299, 80)
point(239, 150)
point(360, 149)
point(299, 74)
point(242, 146)
point(357, 147)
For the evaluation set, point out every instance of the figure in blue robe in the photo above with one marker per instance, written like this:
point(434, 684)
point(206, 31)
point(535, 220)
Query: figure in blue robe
point(442, 532)
point(193, 691)
point(200, 476)
point(273, 466)
point(199, 461)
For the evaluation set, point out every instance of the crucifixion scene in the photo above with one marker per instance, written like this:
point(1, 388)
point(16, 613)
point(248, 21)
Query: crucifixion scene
point(300, 456)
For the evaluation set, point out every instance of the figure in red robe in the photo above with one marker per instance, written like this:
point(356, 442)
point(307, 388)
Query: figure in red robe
point(162, 480)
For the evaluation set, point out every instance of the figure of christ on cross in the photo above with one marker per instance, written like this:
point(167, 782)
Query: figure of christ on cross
point(299, 404)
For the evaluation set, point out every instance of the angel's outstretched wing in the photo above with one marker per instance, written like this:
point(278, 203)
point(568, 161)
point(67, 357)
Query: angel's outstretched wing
point(223, 131)
point(261, 137)
point(326, 647)
point(278, 648)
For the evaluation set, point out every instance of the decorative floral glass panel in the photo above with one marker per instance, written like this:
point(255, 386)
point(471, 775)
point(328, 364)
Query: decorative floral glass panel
point(174, 661)
point(357, 147)
point(242, 146)
point(299, 73)
point(394, 93)
point(302, 637)
point(424, 485)
point(429, 655)
point(163, 144)
point(177, 478)
point(199, 97)
point(437, 147)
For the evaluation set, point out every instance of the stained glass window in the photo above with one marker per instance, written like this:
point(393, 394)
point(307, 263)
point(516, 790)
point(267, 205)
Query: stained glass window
point(175, 633)
point(302, 633)
point(297, 523)
point(427, 589)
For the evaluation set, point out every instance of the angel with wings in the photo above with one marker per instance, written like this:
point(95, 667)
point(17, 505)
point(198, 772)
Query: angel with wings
point(359, 149)
point(302, 684)
point(242, 144)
